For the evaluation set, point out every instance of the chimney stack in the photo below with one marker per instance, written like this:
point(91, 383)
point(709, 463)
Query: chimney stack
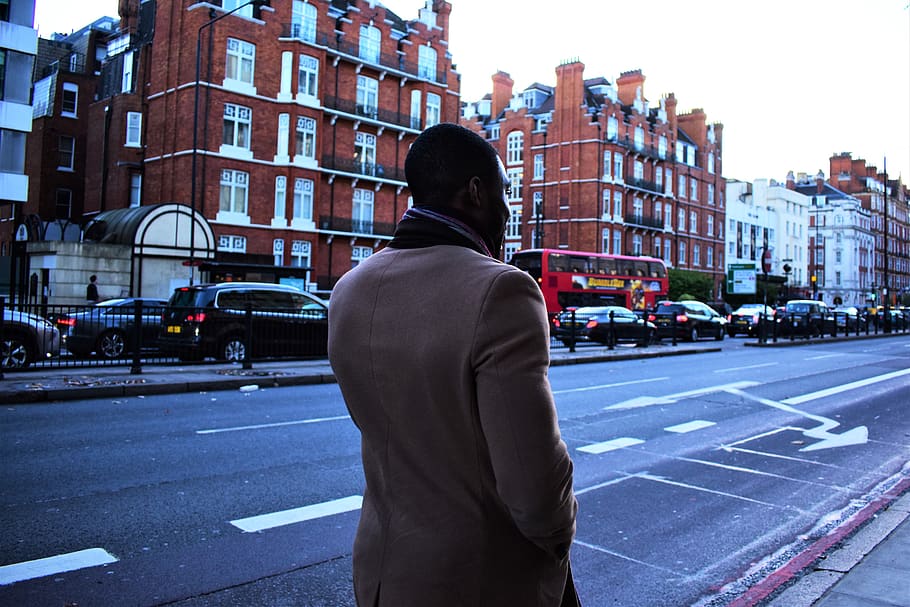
point(570, 85)
point(502, 92)
point(820, 182)
point(630, 85)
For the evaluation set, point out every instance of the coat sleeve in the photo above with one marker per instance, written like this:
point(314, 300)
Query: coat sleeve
point(517, 413)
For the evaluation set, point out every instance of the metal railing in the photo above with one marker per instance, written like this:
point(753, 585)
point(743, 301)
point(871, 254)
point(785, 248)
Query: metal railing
point(349, 106)
point(367, 169)
point(356, 226)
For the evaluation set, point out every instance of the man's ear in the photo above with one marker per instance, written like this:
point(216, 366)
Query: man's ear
point(475, 192)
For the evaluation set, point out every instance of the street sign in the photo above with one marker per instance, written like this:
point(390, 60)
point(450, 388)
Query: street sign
point(766, 261)
point(741, 279)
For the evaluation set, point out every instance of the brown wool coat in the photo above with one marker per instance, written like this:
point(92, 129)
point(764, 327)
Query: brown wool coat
point(442, 356)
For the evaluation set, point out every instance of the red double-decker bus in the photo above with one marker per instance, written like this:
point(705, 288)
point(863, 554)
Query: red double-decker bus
point(576, 279)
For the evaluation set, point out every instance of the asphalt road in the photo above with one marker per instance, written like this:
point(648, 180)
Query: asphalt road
point(695, 476)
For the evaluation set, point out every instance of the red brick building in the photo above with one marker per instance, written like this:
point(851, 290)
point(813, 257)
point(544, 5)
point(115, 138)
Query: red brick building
point(288, 135)
point(595, 168)
point(869, 185)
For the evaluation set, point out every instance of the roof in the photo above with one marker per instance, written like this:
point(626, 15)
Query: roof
point(828, 191)
point(682, 136)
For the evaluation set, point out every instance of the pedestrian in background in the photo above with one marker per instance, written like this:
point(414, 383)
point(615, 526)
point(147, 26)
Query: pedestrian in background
point(91, 291)
point(441, 352)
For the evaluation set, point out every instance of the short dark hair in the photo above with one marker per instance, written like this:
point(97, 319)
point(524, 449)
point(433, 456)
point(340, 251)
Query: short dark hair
point(443, 159)
point(93, 278)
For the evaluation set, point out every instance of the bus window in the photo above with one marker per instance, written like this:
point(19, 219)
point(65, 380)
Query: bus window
point(605, 265)
point(529, 263)
point(657, 269)
point(640, 268)
point(578, 263)
point(558, 262)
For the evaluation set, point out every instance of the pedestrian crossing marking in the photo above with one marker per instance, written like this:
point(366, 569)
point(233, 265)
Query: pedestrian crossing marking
point(298, 515)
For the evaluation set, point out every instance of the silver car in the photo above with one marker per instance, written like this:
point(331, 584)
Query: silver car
point(26, 338)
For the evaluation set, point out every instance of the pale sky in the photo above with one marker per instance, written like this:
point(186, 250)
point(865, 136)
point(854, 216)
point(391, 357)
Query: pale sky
point(793, 81)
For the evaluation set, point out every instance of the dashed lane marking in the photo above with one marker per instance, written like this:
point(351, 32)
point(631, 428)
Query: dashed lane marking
point(823, 356)
point(797, 400)
point(732, 369)
point(52, 565)
point(692, 426)
point(611, 445)
point(298, 515)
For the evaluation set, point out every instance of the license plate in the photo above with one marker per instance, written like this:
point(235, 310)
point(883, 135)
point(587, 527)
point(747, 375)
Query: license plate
point(173, 329)
point(742, 322)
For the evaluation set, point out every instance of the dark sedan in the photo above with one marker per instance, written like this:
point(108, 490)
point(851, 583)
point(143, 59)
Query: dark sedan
point(108, 328)
point(689, 320)
point(593, 324)
point(749, 317)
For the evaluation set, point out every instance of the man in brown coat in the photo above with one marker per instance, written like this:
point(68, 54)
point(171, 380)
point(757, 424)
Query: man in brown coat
point(441, 352)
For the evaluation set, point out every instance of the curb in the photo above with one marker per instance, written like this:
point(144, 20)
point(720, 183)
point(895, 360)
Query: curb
point(790, 571)
point(785, 342)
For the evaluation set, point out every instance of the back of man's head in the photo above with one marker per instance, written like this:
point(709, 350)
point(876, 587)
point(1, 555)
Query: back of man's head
point(443, 159)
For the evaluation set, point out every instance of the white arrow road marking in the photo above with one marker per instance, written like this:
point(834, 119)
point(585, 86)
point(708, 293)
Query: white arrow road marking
point(827, 439)
point(798, 400)
point(647, 401)
point(29, 570)
point(297, 515)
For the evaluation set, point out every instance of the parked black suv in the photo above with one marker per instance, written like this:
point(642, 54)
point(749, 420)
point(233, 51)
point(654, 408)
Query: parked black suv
point(210, 321)
point(690, 320)
point(806, 317)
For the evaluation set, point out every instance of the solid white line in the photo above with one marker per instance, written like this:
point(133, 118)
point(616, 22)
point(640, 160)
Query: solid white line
point(746, 367)
point(649, 401)
point(610, 445)
point(796, 400)
point(52, 565)
point(298, 515)
point(779, 456)
point(667, 481)
point(823, 356)
point(603, 386)
point(692, 426)
point(615, 481)
point(626, 558)
point(315, 420)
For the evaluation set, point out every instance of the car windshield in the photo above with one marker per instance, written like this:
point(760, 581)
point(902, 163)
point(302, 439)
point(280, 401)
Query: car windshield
point(185, 297)
point(801, 308)
point(668, 309)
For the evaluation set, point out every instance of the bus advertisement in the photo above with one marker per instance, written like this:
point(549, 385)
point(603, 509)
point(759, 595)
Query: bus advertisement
point(577, 279)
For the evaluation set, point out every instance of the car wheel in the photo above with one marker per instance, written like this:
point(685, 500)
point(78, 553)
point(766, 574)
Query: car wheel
point(720, 334)
point(731, 332)
point(112, 344)
point(16, 352)
point(566, 342)
point(693, 334)
point(232, 349)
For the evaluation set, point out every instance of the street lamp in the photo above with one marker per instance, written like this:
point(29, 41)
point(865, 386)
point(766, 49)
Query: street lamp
point(193, 195)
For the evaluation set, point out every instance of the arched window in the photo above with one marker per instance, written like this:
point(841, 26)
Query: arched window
point(515, 148)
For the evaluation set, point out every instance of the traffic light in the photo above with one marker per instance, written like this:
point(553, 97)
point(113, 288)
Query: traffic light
point(813, 278)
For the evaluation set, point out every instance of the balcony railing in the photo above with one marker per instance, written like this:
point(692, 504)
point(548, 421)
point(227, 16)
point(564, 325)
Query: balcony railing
point(355, 226)
point(367, 111)
point(336, 43)
point(644, 184)
point(645, 150)
point(367, 169)
point(644, 221)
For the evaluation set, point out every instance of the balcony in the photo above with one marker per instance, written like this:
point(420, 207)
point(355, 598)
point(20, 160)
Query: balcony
point(365, 169)
point(643, 221)
point(336, 43)
point(644, 150)
point(355, 226)
point(644, 184)
point(373, 113)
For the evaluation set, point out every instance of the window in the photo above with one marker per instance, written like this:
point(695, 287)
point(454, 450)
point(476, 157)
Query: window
point(605, 208)
point(681, 220)
point(515, 148)
point(617, 205)
point(236, 130)
point(307, 75)
point(693, 222)
point(639, 137)
point(658, 247)
point(659, 179)
point(494, 130)
point(426, 62)
point(636, 244)
point(281, 188)
point(64, 203)
point(66, 148)
point(513, 227)
point(306, 137)
point(662, 146)
point(669, 183)
point(617, 242)
point(658, 215)
point(135, 189)
point(70, 102)
point(133, 130)
point(710, 225)
point(696, 255)
point(415, 109)
point(516, 177)
point(300, 253)
point(837, 278)
point(284, 131)
point(246, 9)
point(234, 192)
point(241, 58)
point(710, 193)
point(359, 254)
point(710, 255)
point(711, 162)
point(667, 253)
point(538, 166)
point(232, 244)
point(434, 109)
point(303, 21)
point(837, 256)
point(605, 240)
point(362, 214)
point(693, 188)
point(608, 164)
point(365, 152)
point(637, 207)
point(278, 251)
point(682, 254)
point(639, 170)
point(668, 216)
point(681, 186)
point(617, 166)
point(303, 199)
point(367, 96)
point(370, 38)
point(612, 128)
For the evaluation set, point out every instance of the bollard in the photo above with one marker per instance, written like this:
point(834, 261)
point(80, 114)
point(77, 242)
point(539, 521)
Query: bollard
point(673, 327)
point(572, 331)
point(2, 309)
point(612, 338)
point(834, 328)
point(774, 329)
point(762, 338)
point(136, 367)
point(248, 345)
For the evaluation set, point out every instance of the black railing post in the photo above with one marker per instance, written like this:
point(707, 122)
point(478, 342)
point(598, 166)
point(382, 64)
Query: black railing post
point(762, 338)
point(248, 339)
point(834, 328)
point(136, 368)
point(2, 334)
point(792, 321)
point(612, 339)
point(673, 328)
point(572, 331)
